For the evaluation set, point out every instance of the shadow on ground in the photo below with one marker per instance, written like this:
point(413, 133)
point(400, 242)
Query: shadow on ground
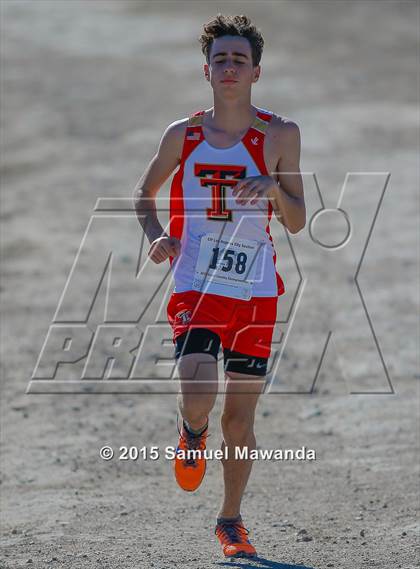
point(260, 563)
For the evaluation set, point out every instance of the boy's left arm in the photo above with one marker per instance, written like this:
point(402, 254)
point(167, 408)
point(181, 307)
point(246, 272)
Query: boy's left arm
point(286, 196)
point(284, 187)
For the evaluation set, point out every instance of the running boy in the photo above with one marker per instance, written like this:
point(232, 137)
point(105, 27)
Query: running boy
point(222, 255)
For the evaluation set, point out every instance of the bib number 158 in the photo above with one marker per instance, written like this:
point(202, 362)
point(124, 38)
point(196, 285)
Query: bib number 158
point(229, 257)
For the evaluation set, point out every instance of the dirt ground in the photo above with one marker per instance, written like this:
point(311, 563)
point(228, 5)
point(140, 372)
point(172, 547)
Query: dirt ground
point(87, 89)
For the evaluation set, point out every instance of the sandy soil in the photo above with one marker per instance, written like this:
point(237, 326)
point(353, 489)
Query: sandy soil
point(87, 89)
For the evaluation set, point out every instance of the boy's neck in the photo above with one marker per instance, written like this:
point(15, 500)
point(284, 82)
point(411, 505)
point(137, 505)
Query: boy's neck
point(231, 116)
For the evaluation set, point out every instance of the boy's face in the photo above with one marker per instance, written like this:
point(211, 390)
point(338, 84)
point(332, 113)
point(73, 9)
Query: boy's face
point(231, 70)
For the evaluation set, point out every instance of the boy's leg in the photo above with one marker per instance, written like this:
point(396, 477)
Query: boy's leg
point(198, 391)
point(198, 388)
point(241, 398)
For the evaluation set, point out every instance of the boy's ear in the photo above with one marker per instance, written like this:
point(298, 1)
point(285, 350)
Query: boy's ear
point(257, 73)
point(206, 71)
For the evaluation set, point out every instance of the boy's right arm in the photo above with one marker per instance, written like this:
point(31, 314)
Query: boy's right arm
point(157, 172)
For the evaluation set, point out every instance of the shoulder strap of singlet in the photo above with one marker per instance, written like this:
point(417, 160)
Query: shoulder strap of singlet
point(193, 134)
point(196, 119)
point(261, 121)
point(254, 139)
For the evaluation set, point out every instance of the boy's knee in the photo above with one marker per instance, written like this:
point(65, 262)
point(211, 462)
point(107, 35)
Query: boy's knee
point(194, 408)
point(236, 427)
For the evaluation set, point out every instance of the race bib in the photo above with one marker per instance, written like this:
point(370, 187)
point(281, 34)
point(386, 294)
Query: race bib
point(226, 266)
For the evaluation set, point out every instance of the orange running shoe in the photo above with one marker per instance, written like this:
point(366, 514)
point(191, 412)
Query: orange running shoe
point(189, 472)
point(234, 539)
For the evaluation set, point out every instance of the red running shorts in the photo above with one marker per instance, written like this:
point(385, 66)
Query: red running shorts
point(244, 326)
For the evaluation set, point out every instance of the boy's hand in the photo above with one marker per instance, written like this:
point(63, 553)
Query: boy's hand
point(163, 247)
point(253, 188)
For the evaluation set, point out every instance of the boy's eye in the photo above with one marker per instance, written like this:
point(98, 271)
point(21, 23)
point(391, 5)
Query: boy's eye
point(238, 62)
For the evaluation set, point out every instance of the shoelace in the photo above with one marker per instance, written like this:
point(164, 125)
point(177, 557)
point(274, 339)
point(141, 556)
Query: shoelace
point(193, 443)
point(233, 532)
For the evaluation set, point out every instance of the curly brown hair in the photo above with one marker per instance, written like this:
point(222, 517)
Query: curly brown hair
point(232, 26)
